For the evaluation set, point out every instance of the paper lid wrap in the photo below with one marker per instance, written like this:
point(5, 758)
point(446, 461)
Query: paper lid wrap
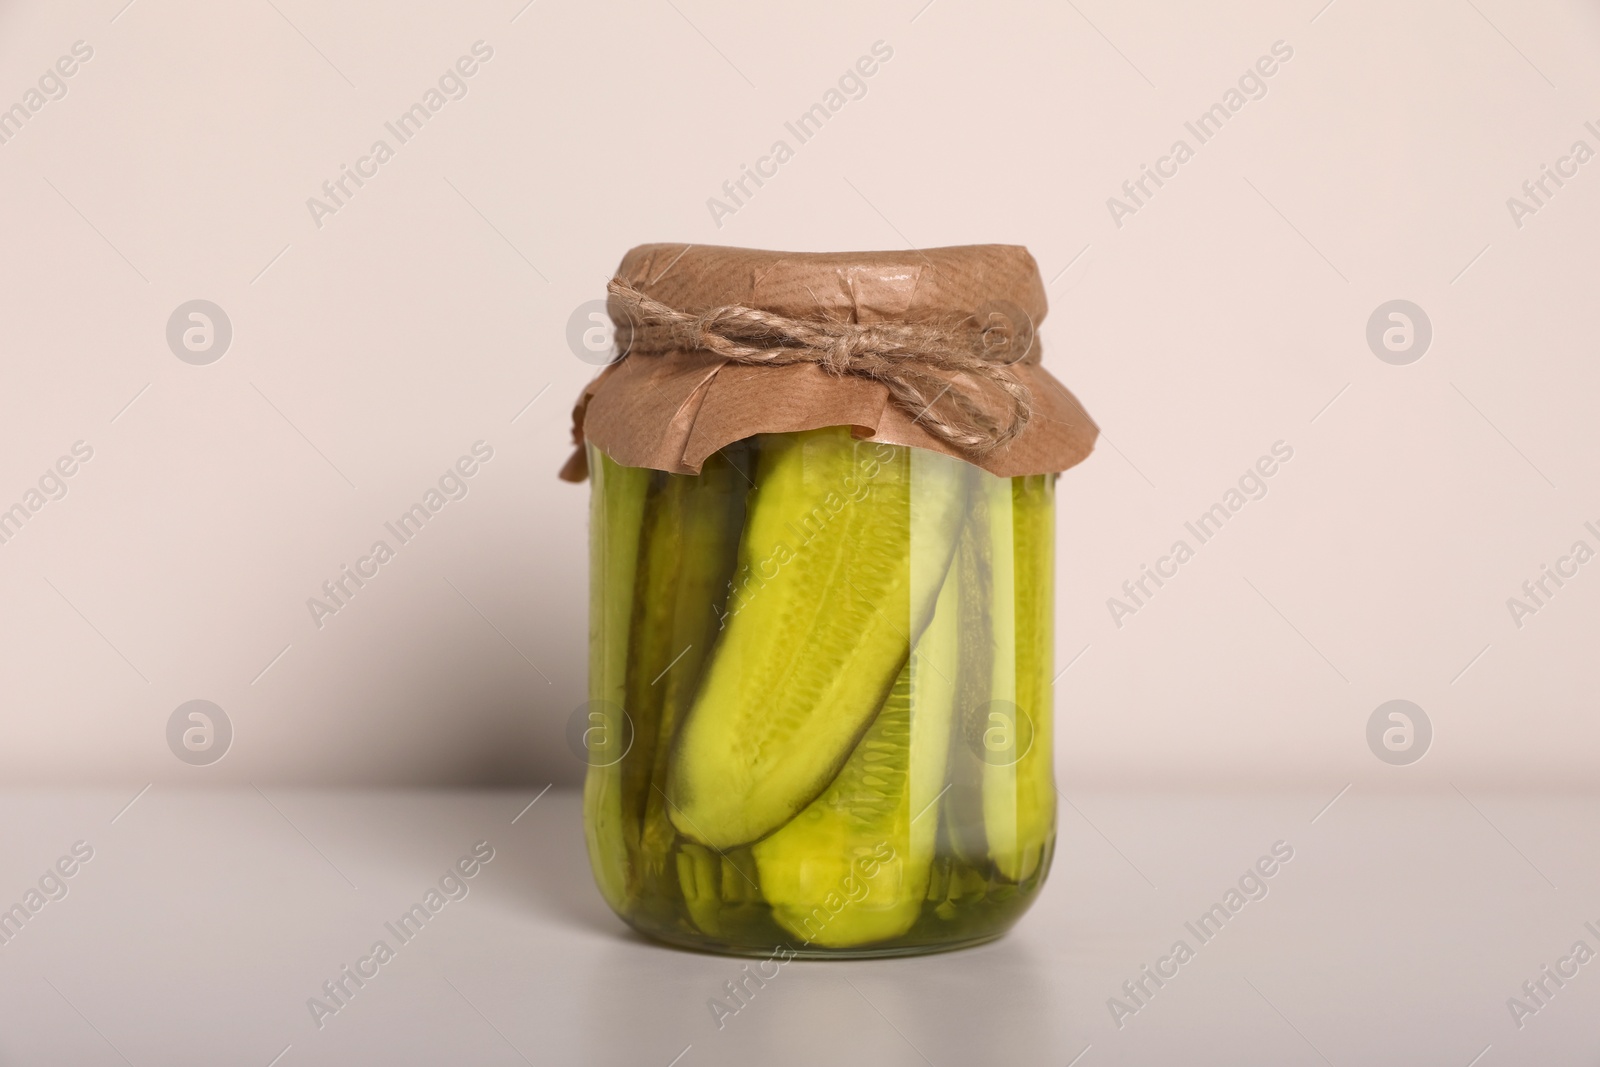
point(670, 411)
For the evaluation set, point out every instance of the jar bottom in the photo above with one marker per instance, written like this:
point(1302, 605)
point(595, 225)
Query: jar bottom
point(973, 906)
point(701, 943)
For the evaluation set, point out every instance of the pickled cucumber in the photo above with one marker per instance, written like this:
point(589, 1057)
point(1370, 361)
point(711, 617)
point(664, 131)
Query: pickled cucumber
point(1003, 732)
point(973, 567)
point(826, 607)
point(793, 771)
point(718, 888)
point(1002, 807)
point(852, 868)
point(690, 560)
point(1033, 540)
point(650, 644)
point(617, 509)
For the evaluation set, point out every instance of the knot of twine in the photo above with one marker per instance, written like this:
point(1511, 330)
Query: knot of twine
point(934, 371)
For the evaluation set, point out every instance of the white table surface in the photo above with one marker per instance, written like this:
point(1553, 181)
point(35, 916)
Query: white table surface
point(205, 920)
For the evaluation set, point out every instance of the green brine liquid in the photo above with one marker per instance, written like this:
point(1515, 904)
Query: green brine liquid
point(820, 672)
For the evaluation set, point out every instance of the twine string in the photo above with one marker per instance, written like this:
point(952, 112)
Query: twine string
point(949, 376)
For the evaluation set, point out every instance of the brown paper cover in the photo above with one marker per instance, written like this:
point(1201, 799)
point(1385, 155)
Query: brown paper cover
point(671, 411)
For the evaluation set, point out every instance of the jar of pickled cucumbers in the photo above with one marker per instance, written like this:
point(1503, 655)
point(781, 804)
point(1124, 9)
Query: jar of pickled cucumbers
point(822, 540)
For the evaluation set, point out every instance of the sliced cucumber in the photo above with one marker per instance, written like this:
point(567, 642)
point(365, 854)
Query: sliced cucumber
point(825, 607)
point(1003, 806)
point(852, 868)
point(963, 804)
point(616, 514)
point(690, 562)
point(1033, 536)
point(715, 885)
point(650, 645)
point(1003, 732)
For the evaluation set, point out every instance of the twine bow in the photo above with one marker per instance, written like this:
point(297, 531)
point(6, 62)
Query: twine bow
point(935, 371)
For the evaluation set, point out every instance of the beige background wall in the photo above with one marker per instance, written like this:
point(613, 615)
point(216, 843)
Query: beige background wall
point(430, 311)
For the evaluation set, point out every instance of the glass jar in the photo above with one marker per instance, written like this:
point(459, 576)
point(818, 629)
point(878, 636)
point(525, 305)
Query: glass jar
point(820, 697)
point(822, 595)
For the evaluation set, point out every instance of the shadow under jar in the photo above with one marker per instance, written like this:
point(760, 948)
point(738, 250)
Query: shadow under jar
point(819, 713)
